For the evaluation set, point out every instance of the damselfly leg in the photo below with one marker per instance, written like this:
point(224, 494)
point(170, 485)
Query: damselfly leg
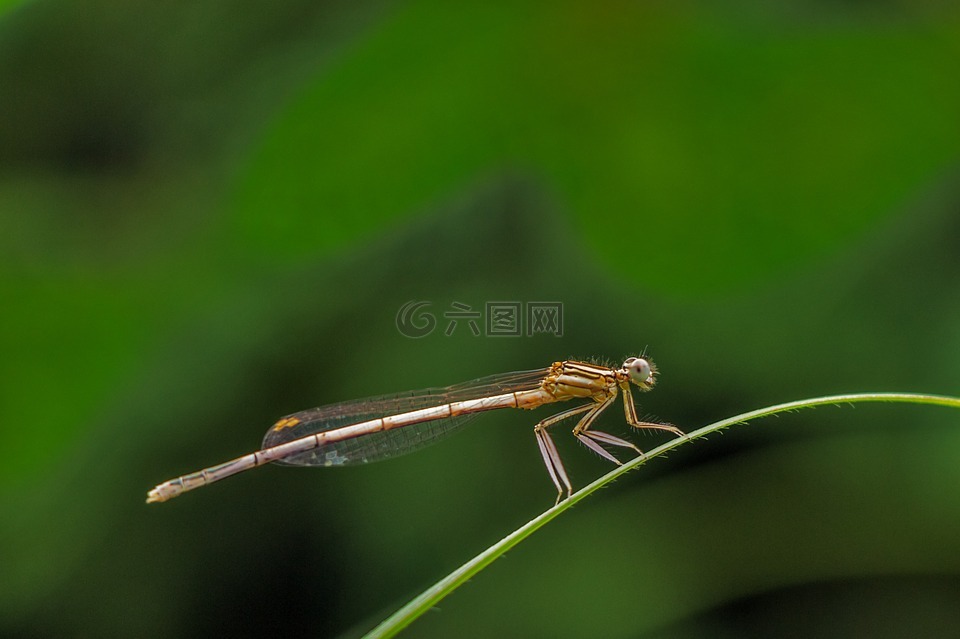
point(551, 458)
point(630, 412)
point(592, 439)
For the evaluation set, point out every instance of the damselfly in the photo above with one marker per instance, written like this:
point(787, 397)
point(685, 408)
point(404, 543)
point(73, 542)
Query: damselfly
point(376, 428)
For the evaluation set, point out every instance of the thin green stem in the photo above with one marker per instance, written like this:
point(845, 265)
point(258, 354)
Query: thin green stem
point(435, 593)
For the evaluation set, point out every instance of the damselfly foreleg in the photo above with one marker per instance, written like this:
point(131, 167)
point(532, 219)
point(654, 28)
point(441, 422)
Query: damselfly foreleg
point(630, 412)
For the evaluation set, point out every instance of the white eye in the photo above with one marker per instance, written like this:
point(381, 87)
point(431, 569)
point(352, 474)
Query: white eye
point(639, 370)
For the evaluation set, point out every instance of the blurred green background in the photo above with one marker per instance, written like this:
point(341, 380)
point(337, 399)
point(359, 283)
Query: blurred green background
point(211, 214)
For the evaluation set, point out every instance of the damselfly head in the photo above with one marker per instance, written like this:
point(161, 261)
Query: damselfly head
point(641, 372)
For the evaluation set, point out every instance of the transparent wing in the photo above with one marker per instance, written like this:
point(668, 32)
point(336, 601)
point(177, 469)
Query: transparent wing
point(391, 443)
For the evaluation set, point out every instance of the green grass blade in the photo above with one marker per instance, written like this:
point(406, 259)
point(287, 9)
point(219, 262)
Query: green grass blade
point(437, 592)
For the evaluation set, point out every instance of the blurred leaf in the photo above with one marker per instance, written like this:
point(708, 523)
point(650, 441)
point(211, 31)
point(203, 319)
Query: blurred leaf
point(112, 152)
point(776, 143)
point(6, 5)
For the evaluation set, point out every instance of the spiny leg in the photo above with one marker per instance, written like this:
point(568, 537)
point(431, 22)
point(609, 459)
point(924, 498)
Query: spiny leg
point(582, 433)
point(630, 411)
point(590, 438)
point(613, 440)
point(551, 457)
point(584, 423)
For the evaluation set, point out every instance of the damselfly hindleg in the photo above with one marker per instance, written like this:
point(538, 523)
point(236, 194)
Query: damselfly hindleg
point(551, 458)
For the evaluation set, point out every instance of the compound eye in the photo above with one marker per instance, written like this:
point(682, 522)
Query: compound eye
point(639, 370)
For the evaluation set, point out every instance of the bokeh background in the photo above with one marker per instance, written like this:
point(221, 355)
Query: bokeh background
point(211, 214)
